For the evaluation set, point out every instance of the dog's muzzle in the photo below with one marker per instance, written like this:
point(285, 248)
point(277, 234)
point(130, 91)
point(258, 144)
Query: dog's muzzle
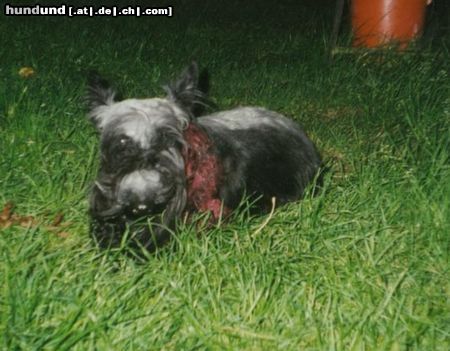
point(138, 193)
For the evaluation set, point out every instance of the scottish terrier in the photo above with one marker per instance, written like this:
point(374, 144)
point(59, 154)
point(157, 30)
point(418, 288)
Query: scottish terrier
point(158, 161)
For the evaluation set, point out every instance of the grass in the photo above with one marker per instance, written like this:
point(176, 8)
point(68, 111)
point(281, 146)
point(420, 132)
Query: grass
point(363, 266)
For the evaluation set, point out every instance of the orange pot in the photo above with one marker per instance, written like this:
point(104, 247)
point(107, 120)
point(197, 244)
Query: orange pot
point(380, 22)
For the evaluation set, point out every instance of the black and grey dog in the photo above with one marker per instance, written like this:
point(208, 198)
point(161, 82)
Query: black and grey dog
point(159, 162)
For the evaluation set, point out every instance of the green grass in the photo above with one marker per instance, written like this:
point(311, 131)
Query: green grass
point(363, 266)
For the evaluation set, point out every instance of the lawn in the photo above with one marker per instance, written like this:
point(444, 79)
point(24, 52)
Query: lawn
point(362, 266)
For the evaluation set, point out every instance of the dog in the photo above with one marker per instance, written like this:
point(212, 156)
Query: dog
point(158, 161)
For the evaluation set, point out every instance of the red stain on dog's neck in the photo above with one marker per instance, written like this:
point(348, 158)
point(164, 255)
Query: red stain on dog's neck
point(203, 172)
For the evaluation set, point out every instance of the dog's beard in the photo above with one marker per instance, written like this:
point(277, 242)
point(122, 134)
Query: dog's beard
point(141, 206)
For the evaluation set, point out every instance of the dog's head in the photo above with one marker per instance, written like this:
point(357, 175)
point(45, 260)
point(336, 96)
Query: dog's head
point(141, 170)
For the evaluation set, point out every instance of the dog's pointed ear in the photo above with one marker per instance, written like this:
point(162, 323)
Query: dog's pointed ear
point(184, 91)
point(99, 93)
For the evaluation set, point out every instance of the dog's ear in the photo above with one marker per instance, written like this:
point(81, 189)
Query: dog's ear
point(184, 91)
point(99, 93)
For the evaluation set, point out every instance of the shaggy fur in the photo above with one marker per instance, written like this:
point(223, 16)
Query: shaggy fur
point(158, 161)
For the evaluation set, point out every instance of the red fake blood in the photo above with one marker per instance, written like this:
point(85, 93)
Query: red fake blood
point(203, 173)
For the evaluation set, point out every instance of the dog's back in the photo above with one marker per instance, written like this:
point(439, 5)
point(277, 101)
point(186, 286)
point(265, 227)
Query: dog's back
point(263, 154)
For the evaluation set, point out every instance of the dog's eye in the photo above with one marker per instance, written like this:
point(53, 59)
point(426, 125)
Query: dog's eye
point(124, 141)
point(152, 159)
point(165, 138)
point(123, 145)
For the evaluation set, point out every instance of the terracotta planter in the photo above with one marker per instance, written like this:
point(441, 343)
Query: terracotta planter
point(384, 22)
